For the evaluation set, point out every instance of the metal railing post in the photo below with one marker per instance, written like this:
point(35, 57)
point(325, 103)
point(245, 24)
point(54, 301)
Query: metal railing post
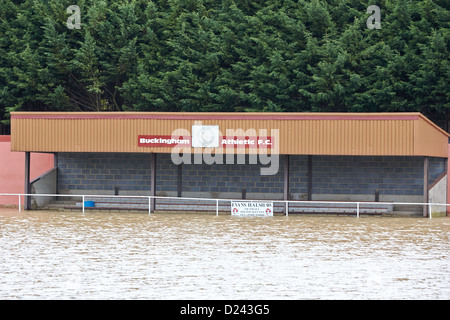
point(82, 202)
point(19, 203)
point(152, 204)
point(287, 208)
point(429, 211)
point(149, 205)
point(217, 207)
point(357, 209)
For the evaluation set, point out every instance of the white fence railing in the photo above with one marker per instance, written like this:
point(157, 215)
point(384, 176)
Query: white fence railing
point(286, 203)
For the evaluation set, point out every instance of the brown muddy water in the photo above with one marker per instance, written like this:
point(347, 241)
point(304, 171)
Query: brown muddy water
point(69, 255)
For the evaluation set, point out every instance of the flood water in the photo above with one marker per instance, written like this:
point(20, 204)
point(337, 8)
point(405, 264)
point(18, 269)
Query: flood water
point(58, 255)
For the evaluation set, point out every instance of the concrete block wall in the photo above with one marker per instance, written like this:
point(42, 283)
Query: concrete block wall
point(399, 177)
point(364, 175)
point(298, 177)
point(166, 175)
point(222, 180)
point(100, 173)
point(437, 166)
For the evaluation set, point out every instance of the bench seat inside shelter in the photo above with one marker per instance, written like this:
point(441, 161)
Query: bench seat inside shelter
point(209, 205)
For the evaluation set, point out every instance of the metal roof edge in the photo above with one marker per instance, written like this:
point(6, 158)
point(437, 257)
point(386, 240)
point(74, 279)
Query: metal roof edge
point(219, 115)
point(434, 125)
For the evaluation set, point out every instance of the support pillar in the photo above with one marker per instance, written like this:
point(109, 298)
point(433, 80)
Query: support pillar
point(310, 178)
point(55, 165)
point(286, 181)
point(27, 181)
point(180, 179)
point(153, 180)
point(426, 165)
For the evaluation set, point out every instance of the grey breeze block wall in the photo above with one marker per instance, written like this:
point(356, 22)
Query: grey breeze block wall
point(332, 175)
point(391, 175)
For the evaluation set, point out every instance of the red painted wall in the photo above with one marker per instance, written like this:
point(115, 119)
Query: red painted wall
point(448, 182)
point(12, 170)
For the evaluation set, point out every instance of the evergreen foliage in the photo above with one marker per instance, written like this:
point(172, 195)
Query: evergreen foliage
point(204, 55)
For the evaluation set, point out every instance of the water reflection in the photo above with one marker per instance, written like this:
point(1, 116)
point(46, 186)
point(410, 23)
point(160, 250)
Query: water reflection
point(53, 255)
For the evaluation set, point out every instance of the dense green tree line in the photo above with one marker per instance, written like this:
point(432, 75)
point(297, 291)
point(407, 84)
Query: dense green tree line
point(229, 55)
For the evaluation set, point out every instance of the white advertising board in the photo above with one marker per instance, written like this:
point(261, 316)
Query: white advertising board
point(252, 208)
point(205, 136)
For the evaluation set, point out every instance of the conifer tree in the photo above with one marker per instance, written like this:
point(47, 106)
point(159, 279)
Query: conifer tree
point(205, 55)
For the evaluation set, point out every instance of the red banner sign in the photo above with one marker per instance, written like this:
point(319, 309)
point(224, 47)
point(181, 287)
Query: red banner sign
point(246, 142)
point(186, 141)
point(163, 141)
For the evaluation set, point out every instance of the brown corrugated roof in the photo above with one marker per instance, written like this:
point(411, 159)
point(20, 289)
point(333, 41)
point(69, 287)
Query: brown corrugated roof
point(293, 133)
